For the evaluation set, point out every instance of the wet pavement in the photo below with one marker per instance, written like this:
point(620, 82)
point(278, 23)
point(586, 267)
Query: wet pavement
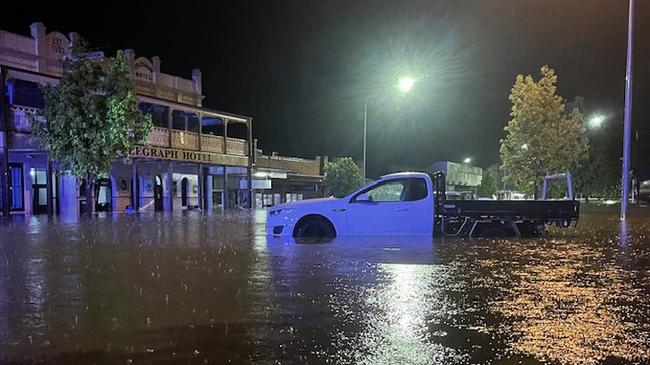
point(196, 289)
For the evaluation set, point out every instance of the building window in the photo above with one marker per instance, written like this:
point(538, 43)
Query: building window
point(25, 93)
point(212, 125)
point(185, 121)
point(178, 120)
point(192, 122)
point(158, 113)
point(237, 130)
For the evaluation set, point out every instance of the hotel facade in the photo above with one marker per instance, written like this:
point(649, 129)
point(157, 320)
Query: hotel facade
point(195, 157)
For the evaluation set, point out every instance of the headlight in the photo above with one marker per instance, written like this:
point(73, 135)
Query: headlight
point(280, 211)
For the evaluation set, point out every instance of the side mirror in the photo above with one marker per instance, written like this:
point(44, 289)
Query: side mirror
point(363, 198)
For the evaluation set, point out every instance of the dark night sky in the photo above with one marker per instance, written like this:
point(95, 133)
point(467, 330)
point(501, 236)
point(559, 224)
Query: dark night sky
point(303, 68)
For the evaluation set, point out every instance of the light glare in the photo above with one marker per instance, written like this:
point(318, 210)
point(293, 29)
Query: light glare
point(406, 84)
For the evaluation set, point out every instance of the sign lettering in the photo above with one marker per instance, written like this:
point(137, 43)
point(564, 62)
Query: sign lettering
point(143, 69)
point(185, 155)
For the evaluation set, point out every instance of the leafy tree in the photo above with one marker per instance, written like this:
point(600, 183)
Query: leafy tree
point(600, 176)
point(488, 187)
point(91, 117)
point(540, 137)
point(342, 176)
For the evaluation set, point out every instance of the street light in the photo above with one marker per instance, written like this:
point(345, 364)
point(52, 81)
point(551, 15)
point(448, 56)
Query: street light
point(596, 121)
point(404, 84)
point(467, 160)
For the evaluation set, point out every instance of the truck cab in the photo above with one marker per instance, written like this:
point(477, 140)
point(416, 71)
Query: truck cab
point(394, 204)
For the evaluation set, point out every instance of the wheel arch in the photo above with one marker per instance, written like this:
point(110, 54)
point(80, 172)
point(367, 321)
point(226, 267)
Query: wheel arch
point(309, 216)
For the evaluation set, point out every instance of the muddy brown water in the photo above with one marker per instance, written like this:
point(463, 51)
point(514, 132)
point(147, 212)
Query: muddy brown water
point(192, 288)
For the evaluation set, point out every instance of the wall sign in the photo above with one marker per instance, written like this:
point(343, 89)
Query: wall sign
point(189, 156)
point(143, 69)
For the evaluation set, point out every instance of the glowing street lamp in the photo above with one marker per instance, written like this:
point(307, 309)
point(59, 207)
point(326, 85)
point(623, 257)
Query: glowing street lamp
point(404, 84)
point(596, 121)
point(467, 160)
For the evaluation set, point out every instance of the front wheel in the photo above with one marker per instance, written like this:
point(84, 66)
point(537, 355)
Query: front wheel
point(314, 227)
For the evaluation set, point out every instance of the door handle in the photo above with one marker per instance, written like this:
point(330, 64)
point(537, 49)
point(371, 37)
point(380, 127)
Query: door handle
point(401, 209)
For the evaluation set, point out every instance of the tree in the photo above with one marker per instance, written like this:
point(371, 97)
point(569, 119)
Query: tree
point(488, 187)
point(540, 137)
point(91, 117)
point(342, 177)
point(600, 177)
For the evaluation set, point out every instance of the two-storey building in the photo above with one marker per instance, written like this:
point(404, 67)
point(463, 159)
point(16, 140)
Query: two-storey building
point(195, 156)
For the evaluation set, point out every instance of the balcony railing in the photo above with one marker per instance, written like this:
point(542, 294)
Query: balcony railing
point(211, 143)
point(185, 140)
point(19, 120)
point(236, 146)
point(159, 137)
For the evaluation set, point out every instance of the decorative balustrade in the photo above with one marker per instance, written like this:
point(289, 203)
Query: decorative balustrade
point(159, 137)
point(19, 120)
point(236, 146)
point(185, 140)
point(211, 143)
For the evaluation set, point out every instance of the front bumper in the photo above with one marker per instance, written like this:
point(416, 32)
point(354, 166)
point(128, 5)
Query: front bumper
point(280, 226)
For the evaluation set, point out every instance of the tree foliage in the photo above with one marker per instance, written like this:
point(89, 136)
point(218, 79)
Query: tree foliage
point(540, 137)
point(488, 187)
point(600, 177)
point(91, 117)
point(342, 176)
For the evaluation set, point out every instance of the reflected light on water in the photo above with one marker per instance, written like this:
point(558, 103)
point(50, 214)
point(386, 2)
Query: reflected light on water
point(193, 288)
point(571, 306)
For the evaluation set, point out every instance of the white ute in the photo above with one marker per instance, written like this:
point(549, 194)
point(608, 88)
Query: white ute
point(415, 203)
point(394, 204)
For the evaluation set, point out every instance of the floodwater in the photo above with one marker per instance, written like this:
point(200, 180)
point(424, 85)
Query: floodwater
point(195, 289)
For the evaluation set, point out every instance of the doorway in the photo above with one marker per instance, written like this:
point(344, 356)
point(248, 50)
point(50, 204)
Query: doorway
point(39, 190)
point(16, 201)
point(184, 192)
point(104, 194)
point(158, 194)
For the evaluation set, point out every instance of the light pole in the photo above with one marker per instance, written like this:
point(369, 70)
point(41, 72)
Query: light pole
point(628, 115)
point(404, 84)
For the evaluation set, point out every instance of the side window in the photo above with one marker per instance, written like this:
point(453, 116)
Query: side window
point(25, 93)
point(389, 191)
point(417, 189)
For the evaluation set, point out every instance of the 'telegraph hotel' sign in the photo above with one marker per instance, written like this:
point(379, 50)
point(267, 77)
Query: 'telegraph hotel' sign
point(188, 156)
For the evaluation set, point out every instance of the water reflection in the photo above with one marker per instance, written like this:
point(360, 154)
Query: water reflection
point(195, 288)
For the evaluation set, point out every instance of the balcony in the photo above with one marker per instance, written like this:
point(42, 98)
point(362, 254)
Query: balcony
point(211, 143)
point(19, 119)
point(236, 147)
point(185, 140)
point(159, 137)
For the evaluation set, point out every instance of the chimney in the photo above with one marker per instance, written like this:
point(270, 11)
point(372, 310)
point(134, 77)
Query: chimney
point(155, 60)
point(196, 79)
point(130, 54)
point(74, 37)
point(323, 162)
point(40, 46)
